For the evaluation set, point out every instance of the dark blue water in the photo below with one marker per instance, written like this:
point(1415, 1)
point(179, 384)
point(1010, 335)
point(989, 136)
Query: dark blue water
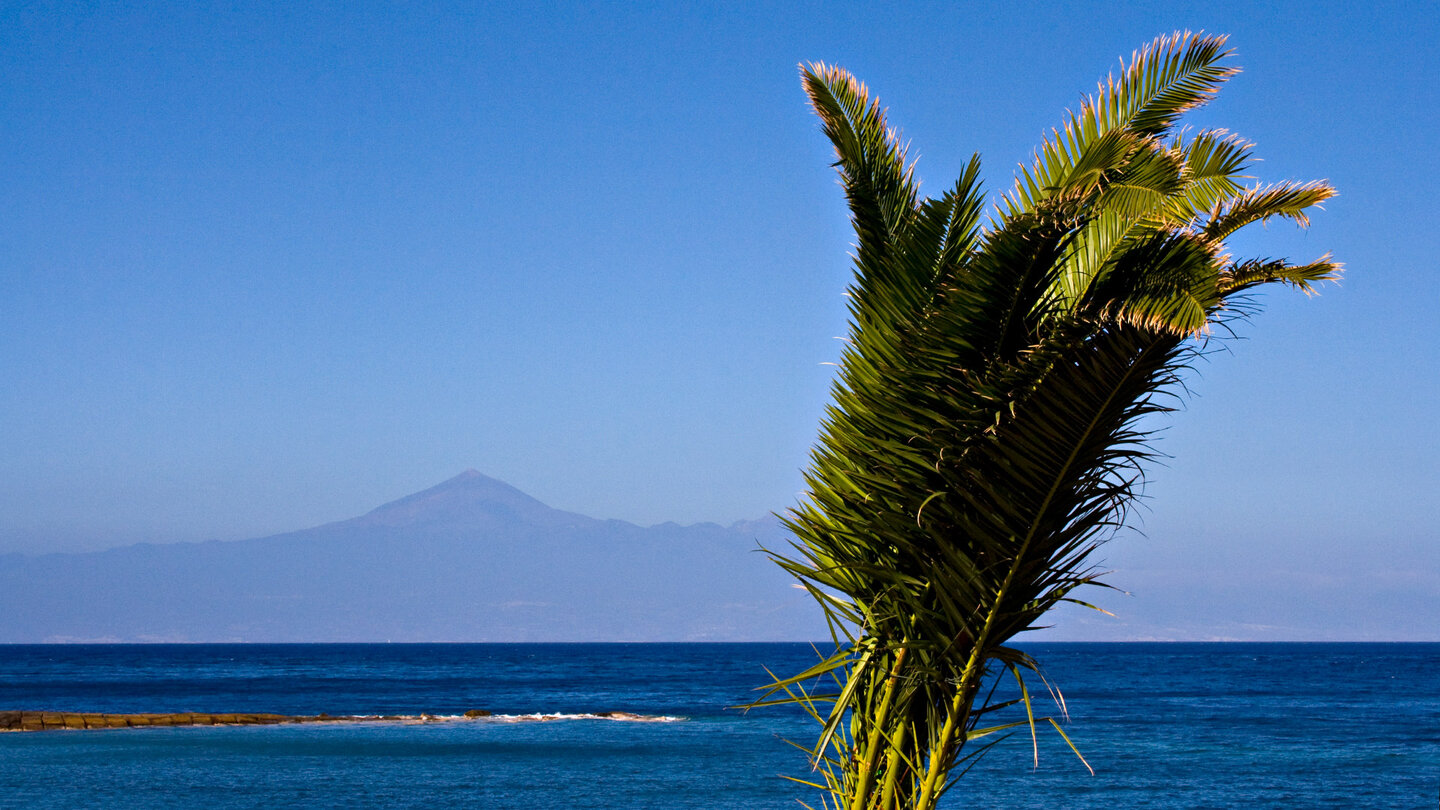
point(1164, 725)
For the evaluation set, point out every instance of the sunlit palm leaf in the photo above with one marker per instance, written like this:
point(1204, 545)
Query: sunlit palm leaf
point(1164, 80)
point(1285, 200)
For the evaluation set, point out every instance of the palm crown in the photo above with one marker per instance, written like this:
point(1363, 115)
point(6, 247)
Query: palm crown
point(986, 429)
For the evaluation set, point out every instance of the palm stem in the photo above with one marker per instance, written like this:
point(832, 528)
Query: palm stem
point(881, 716)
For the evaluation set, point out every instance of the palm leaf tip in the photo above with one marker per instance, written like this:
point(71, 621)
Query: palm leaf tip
point(1289, 200)
point(1303, 277)
point(1166, 79)
point(854, 121)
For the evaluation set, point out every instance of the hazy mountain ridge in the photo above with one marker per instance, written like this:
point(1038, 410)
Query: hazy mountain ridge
point(471, 559)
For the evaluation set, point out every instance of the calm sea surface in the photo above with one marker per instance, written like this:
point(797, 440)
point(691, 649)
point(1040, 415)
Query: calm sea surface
point(1164, 725)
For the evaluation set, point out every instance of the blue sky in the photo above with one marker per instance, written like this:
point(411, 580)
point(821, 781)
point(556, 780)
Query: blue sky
point(268, 266)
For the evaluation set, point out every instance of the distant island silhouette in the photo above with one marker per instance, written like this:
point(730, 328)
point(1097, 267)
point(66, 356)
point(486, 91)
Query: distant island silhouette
point(471, 559)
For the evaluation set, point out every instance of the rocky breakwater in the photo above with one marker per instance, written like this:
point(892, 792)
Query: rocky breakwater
point(55, 721)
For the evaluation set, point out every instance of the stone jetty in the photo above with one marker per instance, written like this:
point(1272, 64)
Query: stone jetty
point(54, 721)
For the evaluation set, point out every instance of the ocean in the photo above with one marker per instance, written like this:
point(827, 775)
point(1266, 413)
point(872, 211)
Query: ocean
point(1164, 726)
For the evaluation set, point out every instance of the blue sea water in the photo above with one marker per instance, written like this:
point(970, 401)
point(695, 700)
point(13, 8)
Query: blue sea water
point(1164, 726)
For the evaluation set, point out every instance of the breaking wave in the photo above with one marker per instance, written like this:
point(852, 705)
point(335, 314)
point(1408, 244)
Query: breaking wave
point(547, 717)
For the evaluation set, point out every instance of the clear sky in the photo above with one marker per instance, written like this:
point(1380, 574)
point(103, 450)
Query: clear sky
point(267, 266)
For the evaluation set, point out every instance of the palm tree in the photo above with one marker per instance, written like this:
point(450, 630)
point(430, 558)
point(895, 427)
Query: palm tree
point(988, 431)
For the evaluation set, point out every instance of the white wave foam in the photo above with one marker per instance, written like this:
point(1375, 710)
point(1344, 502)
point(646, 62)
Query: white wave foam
point(623, 717)
point(538, 717)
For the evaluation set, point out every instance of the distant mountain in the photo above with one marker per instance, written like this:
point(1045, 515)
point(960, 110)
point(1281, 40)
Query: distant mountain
point(472, 559)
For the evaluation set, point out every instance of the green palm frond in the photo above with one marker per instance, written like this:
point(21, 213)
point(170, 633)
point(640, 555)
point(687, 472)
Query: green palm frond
point(879, 186)
point(1165, 283)
point(1285, 200)
point(1303, 277)
point(1164, 80)
point(988, 429)
point(1214, 160)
